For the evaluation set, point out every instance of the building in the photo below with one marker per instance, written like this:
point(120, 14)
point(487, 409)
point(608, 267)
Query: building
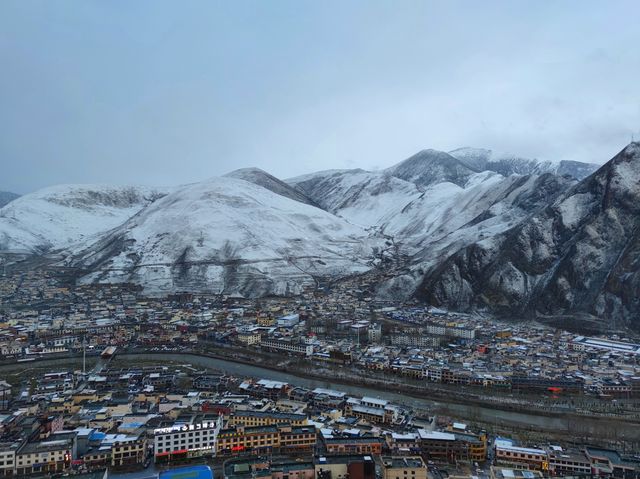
point(452, 447)
point(345, 466)
point(45, 457)
point(568, 463)
point(401, 467)
point(287, 346)
point(264, 418)
point(503, 473)
point(251, 468)
point(8, 458)
point(506, 454)
point(582, 343)
point(266, 321)
point(353, 445)
point(5, 395)
point(370, 409)
point(239, 439)
point(408, 443)
point(126, 450)
point(288, 321)
point(193, 438)
point(374, 333)
point(609, 463)
point(266, 439)
point(406, 339)
point(301, 438)
point(249, 337)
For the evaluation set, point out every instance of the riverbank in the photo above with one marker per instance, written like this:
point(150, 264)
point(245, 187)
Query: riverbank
point(495, 400)
point(499, 420)
point(529, 422)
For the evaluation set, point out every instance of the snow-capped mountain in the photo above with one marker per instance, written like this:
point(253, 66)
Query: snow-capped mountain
point(227, 235)
point(578, 255)
point(429, 167)
point(6, 197)
point(481, 159)
point(59, 216)
point(362, 197)
point(447, 218)
point(577, 169)
point(446, 214)
point(469, 229)
point(442, 216)
point(270, 182)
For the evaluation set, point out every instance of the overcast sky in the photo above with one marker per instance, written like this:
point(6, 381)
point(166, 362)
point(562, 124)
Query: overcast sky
point(168, 92)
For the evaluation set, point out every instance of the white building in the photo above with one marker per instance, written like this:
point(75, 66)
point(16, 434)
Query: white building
point(288, 346)
point(187, 439)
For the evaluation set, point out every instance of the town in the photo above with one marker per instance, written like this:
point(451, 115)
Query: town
point(105, 377)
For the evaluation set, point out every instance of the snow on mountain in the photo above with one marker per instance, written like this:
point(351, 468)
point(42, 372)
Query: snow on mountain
point(427, 224)
point(577, 169)
point(270, 182)
point(444, 207)
point(429, 167)
point(465, 230)
point(362, 197)
point(577, 256)
point(227, 235)
point(506, 164)
point(58, 216)
point(6, 197)
point(446, 218)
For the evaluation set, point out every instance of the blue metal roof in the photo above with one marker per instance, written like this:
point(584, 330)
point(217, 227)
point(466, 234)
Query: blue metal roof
point(189, 472)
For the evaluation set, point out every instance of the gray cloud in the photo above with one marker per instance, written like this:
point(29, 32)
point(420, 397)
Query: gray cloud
point(164, 93)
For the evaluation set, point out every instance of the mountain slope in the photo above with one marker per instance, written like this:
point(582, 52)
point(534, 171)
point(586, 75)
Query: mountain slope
point(576, 169)
point(58, 216)
point(6, 197)
point(490, 203)
point(579, 255)
point(505, 164)
point(360, 196)
point(262, 178)
point(429, 167)
point(226, 235)
point(447, 218)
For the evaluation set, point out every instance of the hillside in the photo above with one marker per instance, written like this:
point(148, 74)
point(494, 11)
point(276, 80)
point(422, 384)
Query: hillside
point(579, 255)
point(226, 235)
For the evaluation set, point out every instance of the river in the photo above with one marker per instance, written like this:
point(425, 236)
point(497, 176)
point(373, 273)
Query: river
point(478, 413)
point(569, 425)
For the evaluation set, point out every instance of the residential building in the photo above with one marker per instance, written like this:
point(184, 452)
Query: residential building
point(403, 467)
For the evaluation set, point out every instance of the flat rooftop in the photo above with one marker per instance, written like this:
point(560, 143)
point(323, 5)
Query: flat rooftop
point(401, 462)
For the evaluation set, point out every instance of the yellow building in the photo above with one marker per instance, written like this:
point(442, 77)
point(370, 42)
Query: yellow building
point(128, 451)
point(266, 321)
point(403, 467)
point(260, 418)
point(249, 337)
point(261, 439)
point(240, 439)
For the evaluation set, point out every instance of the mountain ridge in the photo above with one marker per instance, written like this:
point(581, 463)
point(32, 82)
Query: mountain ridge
point(7, 197)
point(580, 254)
point(476, 232)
